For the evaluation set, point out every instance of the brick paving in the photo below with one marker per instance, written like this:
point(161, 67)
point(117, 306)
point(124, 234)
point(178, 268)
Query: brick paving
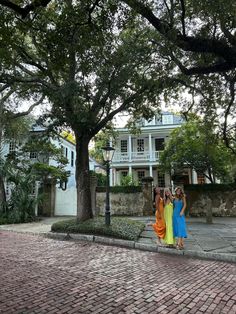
point(40, 275)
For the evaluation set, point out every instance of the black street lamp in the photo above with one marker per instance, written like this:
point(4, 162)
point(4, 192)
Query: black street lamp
point(108, 153)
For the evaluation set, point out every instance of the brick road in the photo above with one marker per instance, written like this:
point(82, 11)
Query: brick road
point(39, 275)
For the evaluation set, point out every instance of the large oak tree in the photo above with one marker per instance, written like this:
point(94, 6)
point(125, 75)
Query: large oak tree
point(91, 62)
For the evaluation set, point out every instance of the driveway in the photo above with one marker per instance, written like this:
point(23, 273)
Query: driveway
point(42, 226)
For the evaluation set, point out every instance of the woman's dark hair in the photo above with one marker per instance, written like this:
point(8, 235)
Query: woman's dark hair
point(155, 193)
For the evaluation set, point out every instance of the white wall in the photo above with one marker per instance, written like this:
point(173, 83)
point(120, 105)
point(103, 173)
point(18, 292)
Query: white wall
point(66, 202)
point(70, 147)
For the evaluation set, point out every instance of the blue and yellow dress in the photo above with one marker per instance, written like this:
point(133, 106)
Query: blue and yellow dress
point(179, 224)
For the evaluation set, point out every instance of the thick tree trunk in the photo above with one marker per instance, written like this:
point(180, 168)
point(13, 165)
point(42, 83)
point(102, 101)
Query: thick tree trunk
point(2, 187)
point(2, 194)
point(84, 206)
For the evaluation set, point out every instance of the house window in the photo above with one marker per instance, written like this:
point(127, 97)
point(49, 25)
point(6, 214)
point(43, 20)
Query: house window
point(201, 178)
point(124, 173)
point(64, 150)
point(33, 190)
point(141, 174)
point(72, 160)
point(159, 144)
point(161, 179)
point(7, 189)
point(33, 155)
point(12, 147)
point(167, 119)
point(140, 145)
point(123, 146)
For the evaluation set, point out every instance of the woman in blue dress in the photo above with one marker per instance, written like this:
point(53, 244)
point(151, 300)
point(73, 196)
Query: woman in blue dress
point(179, 224)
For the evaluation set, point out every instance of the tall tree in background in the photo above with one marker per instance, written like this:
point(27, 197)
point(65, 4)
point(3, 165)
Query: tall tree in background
point(195, 145)
point(13, 126)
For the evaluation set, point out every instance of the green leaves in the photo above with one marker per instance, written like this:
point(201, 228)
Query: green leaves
point(195, 145)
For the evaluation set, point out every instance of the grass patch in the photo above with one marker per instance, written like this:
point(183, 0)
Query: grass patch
point(120, 228)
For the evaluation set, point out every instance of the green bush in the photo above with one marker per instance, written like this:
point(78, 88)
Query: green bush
point(121, 189)
point(121, 228)
point(128, 181)
point(3, 221)
point(210, 187)
point(101, 178)
point(15, 217)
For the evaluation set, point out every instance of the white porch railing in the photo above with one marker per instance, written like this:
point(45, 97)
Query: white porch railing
point(137, 156)
point(120, 157)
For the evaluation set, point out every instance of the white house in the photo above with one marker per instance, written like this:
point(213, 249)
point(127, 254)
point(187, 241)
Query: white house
point(138, 155)
point(64, 197)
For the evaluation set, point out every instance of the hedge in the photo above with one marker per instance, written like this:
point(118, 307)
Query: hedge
point(121, 228)
point(210, 187)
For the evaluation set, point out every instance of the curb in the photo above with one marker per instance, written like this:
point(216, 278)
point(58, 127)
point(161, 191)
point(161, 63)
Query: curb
point(224, 257)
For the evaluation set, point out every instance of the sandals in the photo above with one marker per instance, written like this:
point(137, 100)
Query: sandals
point(170, 246)
point(179, 247)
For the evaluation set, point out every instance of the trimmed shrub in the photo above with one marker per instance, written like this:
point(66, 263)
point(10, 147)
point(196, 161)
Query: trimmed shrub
point(121, 228)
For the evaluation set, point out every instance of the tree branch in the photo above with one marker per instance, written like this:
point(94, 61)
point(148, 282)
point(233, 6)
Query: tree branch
point(122, 107)
point(91, 9)
point(170, 12)
point(231, 38)
point(226, 114)
point(24, 11)
point(25, 113)
point(183, 17)
point(6, 96)
point(4, 87)
point(217, 47)
point(213, 68)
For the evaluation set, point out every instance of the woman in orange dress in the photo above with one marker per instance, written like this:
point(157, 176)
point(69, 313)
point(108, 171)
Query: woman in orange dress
point(159, 226)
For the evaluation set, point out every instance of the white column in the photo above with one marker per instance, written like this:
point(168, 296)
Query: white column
point(114, 176)
point(130, 170)
point(37, 183)
point(150, 147)
point(118, 177)
point(150, 171)
point(130, 148)
point(194, 176)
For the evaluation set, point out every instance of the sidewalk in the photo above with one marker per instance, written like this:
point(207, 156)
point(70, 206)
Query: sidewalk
point(215, 241)
point(204, 240)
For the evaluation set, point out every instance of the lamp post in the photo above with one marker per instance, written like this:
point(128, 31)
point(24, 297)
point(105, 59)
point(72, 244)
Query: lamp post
point(108, 153)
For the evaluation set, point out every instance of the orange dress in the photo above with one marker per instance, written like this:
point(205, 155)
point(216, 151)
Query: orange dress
point(160, 226)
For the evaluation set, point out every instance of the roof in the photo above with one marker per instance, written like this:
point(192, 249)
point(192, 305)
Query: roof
point(68, 136)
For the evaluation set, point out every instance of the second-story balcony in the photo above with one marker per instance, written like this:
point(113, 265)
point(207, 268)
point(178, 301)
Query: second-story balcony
point(136, 156)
